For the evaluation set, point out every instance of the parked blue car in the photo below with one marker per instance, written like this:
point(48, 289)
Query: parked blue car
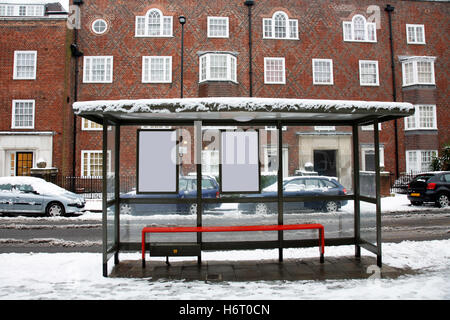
point(299, 186)
point(187, 190)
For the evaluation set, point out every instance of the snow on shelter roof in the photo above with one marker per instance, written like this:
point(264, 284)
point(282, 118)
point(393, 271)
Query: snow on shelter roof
point(242, 108)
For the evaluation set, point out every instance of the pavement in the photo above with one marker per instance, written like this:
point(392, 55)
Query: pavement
point(343, 267)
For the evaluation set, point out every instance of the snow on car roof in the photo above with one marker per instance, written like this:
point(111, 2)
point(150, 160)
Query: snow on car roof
point(310, 177)
point(38, 184)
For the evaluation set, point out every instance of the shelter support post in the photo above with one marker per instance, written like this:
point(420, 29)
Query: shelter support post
point(105, 200)
point(280, 189)
point(198, 162)
point(356, 190)
point(378, 193)
point(117, 192)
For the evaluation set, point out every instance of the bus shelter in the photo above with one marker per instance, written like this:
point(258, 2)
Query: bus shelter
point(233, 161)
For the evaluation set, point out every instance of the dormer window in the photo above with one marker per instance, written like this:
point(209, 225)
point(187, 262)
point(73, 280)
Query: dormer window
point(154, 24)
point(280, 27)
point(359, 30)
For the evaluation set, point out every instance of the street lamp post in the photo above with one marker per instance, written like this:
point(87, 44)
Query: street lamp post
point(182, 20)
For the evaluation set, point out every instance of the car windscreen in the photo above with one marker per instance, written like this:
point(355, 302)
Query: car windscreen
point(5, 187)
point(208, 184)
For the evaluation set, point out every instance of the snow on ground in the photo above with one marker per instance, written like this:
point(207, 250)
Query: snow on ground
point(75, 276)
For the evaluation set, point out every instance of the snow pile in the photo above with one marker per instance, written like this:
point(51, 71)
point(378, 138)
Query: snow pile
point(235, 104)
point(78, 276)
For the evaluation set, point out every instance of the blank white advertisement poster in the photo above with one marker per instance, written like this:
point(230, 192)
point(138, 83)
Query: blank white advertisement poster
point(239, 162)
point(157, 161)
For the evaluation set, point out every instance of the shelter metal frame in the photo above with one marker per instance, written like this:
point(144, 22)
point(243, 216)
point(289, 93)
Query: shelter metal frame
point(115, 119)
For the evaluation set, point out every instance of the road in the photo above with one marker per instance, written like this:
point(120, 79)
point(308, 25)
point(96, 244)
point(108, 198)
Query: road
point(78, 234)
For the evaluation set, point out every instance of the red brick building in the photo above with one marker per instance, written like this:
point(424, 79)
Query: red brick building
point(35, 109)
point(303, 49)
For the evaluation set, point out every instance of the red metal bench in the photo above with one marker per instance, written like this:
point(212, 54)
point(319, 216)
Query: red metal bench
point(237, 229)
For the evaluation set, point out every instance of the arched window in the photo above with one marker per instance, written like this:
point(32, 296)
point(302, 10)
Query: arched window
point(154, 24)
point(359, 30)
point(280, 27)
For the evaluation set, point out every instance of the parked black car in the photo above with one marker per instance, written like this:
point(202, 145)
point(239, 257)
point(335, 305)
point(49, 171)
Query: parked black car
point(430, 187)
point(298, 186)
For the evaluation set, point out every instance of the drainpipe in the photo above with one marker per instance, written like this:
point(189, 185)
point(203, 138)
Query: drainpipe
point(249, 4)
point(76, 53)
point(389, 9)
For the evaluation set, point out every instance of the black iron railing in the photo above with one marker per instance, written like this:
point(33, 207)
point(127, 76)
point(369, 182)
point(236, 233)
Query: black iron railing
point(400, 185)
point(90, 187)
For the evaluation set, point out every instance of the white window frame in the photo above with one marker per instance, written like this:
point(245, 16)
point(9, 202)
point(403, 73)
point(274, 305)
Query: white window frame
point(415, 29)
point(324, 128)
point(89, 152)
point(291, 27)
point(349, 34)
point(15, 10)
point(377, 82)
point(417, 167)
point(210, 162)
point(211, 19)
point(267, 149)
point(99, 21)
point(205, 65)
point(271, 128)
point(147, 71)
point(414, 122)
point(16, 76)
point(411, 63)
point(366, 149)
point(369, 127)
point(315, 82)
point(139, 20)
point(13, 114)
point(283, 71)
point(88, 125)
point(87, 74)
point(156, 127)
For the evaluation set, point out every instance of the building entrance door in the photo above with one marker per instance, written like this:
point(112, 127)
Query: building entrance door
point(24, 162)
point(325, 162)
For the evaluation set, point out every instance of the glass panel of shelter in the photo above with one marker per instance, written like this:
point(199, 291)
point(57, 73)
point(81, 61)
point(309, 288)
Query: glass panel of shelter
point(367, 182)
point(158, 209)
point(319, 180)
point(309, 153)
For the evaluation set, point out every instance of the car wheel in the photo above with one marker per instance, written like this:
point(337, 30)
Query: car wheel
point(416, 203)
point(331, 206)
point(261, 208)
point(193, 209)
point(55, 209)
point(443, 200)
point(126, 209)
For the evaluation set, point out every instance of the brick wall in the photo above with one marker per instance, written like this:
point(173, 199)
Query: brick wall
point(50, 89)
point(320, 36)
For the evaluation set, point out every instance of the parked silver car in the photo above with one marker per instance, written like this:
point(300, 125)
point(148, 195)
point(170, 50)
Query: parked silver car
point(35, 195)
